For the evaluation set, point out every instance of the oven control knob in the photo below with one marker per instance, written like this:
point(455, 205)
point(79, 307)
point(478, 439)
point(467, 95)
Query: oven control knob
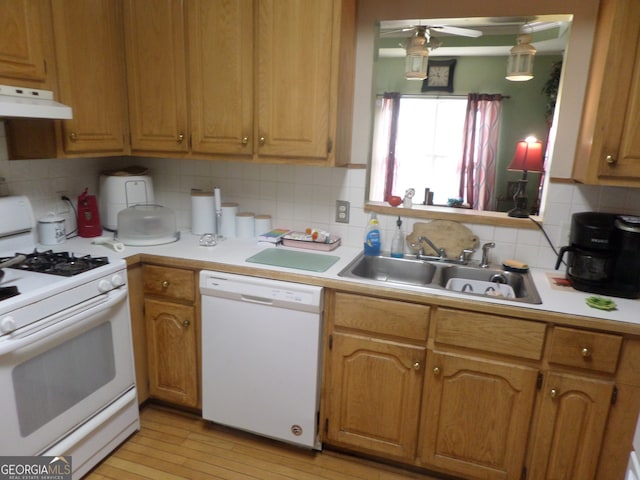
point(104, 286)
point(7, 325)
point(117, 281)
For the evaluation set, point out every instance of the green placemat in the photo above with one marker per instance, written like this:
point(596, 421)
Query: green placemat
point(315, 262)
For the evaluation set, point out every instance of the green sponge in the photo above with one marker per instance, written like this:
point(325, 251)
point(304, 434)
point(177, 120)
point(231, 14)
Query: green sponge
point(601, 303)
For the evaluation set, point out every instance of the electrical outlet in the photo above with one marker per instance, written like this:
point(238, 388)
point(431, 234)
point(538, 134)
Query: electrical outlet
point(342, 211)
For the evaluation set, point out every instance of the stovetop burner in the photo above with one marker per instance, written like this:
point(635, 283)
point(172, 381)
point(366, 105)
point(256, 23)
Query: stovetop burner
point(64, 264)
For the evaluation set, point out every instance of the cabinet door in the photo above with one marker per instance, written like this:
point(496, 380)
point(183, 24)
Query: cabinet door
point(374, 395)
point(172, 352)
point(476, 416)
point(571, 424)
point(221, 52)
point(620, 156)
point(88, 38)
point(156, 75)
point(21, 40)
point(295, 72)
point(608, 150)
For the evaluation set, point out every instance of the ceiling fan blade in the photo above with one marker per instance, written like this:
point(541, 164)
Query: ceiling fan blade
point(462, 32)
point(395, 32)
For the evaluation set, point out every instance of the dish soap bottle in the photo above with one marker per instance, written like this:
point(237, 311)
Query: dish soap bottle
point(372, 242)
point(397, 244)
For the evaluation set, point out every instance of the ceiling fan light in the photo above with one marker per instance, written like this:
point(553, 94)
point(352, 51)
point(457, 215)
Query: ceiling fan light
point(416, 64)
point(520, 64)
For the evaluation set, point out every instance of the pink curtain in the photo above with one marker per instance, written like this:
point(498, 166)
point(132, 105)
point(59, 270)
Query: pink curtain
point(477, 167)
point(390, 112)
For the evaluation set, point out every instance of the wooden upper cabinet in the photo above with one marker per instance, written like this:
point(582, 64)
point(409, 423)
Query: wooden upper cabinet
point(89, 51)
point(156, 76)
point(221, 52)
point(21, 41)
point(608, 149)
point(296, 77)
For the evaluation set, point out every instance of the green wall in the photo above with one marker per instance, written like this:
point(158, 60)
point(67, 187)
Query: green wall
point(523, 114)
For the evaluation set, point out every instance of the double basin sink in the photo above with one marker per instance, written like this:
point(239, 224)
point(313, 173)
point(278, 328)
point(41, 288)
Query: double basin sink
point(438, 274)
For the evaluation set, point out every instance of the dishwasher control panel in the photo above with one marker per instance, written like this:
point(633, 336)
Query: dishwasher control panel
point(261, 290)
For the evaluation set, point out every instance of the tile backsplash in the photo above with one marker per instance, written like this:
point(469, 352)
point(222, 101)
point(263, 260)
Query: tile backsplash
point(296, 197)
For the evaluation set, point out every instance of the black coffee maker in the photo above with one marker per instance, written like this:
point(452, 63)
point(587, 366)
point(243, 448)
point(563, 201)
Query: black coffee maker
point(604, 254)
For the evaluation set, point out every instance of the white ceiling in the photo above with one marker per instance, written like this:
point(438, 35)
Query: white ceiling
point(549, 33)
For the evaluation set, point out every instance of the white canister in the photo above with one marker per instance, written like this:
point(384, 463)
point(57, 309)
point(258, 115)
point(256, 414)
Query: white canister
point(203, 214)
point(51, 229)
point(245, 225)
point(228, 227)
point(263, 224)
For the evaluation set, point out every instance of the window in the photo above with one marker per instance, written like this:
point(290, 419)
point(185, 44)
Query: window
point(428, 149)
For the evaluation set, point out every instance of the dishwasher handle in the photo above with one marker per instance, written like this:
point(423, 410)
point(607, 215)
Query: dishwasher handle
point(254, 299)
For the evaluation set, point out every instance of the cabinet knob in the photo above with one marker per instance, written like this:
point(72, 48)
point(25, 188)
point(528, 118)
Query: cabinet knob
point(610, 159)
point(180, 137)
point(416, 366)
point(261, 140)
point(436, 370)
point(586, 352)
point(165, 284)
point(186, 323)
point(553, 393)
point(245, 140)
point(73, 137)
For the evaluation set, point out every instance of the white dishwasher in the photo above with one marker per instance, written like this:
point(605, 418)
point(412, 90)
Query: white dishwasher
point(261, 356)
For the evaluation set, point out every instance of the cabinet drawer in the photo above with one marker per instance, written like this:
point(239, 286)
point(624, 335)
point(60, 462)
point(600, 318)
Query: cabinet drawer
point(584, 349)
point(388, 317)
point(490, 333)
point(169, 282)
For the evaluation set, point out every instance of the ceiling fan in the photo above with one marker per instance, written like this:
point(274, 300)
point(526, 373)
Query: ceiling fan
point(427, 30)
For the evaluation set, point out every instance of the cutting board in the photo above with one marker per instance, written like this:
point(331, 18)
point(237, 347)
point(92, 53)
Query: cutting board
point(452, 236)
point(279, 257)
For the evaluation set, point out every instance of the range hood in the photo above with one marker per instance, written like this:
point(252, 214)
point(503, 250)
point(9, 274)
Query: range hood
point(31, 103)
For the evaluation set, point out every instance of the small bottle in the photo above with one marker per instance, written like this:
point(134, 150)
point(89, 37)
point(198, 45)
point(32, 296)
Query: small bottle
point(397, 244)
point(372, 241)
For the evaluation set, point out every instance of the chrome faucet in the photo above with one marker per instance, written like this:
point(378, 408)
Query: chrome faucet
point(484, 263)
point(441, 251)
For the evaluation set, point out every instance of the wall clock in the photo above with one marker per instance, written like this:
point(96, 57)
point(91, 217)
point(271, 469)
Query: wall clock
point(439, 76)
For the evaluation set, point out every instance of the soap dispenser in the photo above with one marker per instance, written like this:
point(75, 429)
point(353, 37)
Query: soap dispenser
point(397, 244)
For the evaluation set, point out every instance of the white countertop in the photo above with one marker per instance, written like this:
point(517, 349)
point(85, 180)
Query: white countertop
point(236, 251)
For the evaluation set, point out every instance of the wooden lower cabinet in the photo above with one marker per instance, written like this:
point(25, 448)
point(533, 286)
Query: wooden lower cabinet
point(172, 356)
point(476, 415)
point(172, 328)
point(376, 404)
point(567, 440)
point(498, 398)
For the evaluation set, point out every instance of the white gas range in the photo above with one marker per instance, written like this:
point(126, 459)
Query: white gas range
point(66, 357)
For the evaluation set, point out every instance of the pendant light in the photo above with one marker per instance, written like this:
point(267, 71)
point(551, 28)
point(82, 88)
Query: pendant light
point(520, 65)
point(417, 59)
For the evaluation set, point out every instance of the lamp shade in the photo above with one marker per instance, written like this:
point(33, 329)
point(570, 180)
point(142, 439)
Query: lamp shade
point(417, 58)
point(520, 65)
point(528, 157)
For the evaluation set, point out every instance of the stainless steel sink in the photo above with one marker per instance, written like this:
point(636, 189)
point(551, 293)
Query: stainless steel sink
point(389, 269)
point(468, 279)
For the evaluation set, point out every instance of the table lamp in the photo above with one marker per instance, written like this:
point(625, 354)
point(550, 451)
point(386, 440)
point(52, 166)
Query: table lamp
point(528, 158)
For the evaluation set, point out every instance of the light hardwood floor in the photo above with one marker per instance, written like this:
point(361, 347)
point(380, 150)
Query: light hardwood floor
point(175, 445)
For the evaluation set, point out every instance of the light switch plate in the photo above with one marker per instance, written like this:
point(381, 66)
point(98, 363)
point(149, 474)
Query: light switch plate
point(342, 211)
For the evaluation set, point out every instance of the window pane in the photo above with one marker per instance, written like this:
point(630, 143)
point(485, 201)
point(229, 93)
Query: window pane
point(429, 146)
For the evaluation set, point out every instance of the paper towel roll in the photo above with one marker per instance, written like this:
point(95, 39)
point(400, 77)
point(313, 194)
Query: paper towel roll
point(203, 215)
point(228, 228)
point(262, 224)
point(245, 225)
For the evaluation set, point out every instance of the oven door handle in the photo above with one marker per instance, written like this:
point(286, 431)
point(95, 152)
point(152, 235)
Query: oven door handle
point(50, 327)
